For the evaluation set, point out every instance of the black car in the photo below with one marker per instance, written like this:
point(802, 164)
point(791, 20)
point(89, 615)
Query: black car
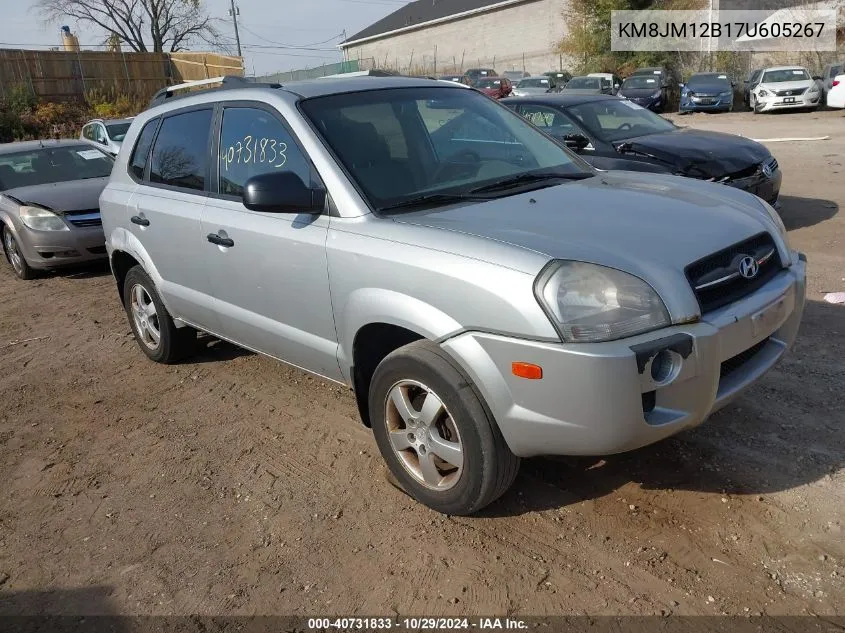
point(644, 90)
point(614, 133)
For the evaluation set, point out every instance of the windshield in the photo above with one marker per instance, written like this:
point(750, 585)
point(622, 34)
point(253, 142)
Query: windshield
point(618, 119)
point(117, 131)
point(709, 79)
point(779, 76)
point(534, 82)
point(55, 164)
point(488, 83)
point(591, 83)
point(402, 144)
point(639, 82)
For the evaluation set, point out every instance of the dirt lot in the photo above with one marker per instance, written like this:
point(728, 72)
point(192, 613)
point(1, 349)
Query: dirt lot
point(235, 485)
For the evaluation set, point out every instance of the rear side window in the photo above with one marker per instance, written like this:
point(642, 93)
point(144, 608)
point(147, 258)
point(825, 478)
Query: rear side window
point(180, 154)
point(138, 162)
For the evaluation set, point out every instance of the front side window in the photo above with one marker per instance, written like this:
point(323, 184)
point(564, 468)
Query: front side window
point(549, 120)
point(117, 131)
point(180, 155)
point(53, 164)
point(618, 119)
point(253, 142)
point(466, 141)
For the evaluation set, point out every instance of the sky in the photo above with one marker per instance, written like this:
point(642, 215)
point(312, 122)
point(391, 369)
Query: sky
point(269, 29)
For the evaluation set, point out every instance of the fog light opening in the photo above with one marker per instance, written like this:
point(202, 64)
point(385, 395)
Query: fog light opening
point(663, 367)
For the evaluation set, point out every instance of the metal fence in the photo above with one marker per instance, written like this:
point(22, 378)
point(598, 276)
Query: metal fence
point(311, 73)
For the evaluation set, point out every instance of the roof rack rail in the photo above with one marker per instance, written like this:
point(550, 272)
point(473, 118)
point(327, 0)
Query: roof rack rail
point(227, 82)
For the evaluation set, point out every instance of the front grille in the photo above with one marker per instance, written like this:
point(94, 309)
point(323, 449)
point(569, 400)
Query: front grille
point(735, 362)
point(790, 93)
point(718, 272)
point(773, 164)
point(82, 219)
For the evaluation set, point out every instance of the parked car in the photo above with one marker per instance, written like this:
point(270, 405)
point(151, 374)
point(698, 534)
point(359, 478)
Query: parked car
point(477, 74)
point(515, 75)
point(785, 88)
point(668, 83)
point(749, 84)
point(587, 86)
point(644, 90)
point(707, 92)
point(534, 86)
point(488, 297)
point(496, 87)
point(49, 204)
point(108, 135)
point(836, 94)
point(461, 79)
point(615, 81)
point(829, 74)
point(614, 133)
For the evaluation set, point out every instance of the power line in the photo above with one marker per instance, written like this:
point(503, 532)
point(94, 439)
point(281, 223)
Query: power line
point(302, 47)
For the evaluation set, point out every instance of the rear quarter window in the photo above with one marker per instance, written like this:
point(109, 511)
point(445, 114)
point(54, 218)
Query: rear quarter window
point(141, 151)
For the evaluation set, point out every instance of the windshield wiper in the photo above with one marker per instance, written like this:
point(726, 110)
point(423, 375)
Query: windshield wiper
point(430, 200)
point(528, 178)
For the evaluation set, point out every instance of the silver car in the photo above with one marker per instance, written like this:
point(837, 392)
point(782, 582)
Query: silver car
point(108, 135)
point(49, 204)
point(486, 294)
point(533, 86)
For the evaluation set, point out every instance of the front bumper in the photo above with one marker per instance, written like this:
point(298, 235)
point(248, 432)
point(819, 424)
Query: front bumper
point(600, 399)
point(718, 105)
point(771, 103)
point(45, 250)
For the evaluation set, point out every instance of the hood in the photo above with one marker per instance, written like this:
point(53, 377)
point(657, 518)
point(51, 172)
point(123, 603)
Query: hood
point(709, 88)
point(650, 225)
point(582, 91)
point(788, 85)
point(530, 91)
point(73, 195)
point(639, 93)
point(700, 153)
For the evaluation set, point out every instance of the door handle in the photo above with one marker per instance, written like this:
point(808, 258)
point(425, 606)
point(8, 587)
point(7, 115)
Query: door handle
point(220, 241)
point(137, 219)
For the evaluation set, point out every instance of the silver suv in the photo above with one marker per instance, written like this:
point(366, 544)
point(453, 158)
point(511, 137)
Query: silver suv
point(487, 294)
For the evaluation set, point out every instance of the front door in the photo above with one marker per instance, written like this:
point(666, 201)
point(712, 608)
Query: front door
point(270, 277)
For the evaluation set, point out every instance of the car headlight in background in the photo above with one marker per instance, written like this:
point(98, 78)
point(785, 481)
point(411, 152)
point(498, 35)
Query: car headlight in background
point(589, 303)
point(726, 95)
point(762, 93)
point(813, 89)
point(41, 219)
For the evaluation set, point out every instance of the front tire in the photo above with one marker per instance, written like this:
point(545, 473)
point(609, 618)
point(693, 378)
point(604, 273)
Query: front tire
point(156, 334)
point(435, 432)
point(14, 255)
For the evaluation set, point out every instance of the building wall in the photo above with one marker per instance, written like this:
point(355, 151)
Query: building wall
point(501, 39)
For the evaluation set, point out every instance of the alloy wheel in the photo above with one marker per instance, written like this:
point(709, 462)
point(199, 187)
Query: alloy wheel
point(15, 257)
point(145, 316)
point(424, 435)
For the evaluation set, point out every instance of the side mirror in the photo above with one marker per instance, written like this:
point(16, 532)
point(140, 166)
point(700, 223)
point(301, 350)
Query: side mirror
point(576, 141)
point(282, 192)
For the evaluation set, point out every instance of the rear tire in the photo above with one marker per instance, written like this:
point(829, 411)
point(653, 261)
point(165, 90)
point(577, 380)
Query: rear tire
point(427, 415)
point(14, 255)
point(156, 334)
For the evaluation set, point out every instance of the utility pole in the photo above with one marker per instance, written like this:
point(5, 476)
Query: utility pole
point(235, 12)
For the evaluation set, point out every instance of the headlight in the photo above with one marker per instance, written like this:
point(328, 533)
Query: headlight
point(588, 303)
point(813, 88)
point(775, 217)
point(726, 95)
point(762, 93)
point(42, 219)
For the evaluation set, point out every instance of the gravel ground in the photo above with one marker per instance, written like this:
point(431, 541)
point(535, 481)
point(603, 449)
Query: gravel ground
point(233, 484)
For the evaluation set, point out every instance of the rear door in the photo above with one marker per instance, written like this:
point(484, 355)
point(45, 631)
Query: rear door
point(168, 205)
point(271, 283)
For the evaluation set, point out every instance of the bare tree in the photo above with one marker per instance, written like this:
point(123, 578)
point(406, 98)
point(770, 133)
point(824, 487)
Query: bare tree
point(144, 25)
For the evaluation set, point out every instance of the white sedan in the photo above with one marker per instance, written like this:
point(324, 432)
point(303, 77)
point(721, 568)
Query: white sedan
point(836, 95)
